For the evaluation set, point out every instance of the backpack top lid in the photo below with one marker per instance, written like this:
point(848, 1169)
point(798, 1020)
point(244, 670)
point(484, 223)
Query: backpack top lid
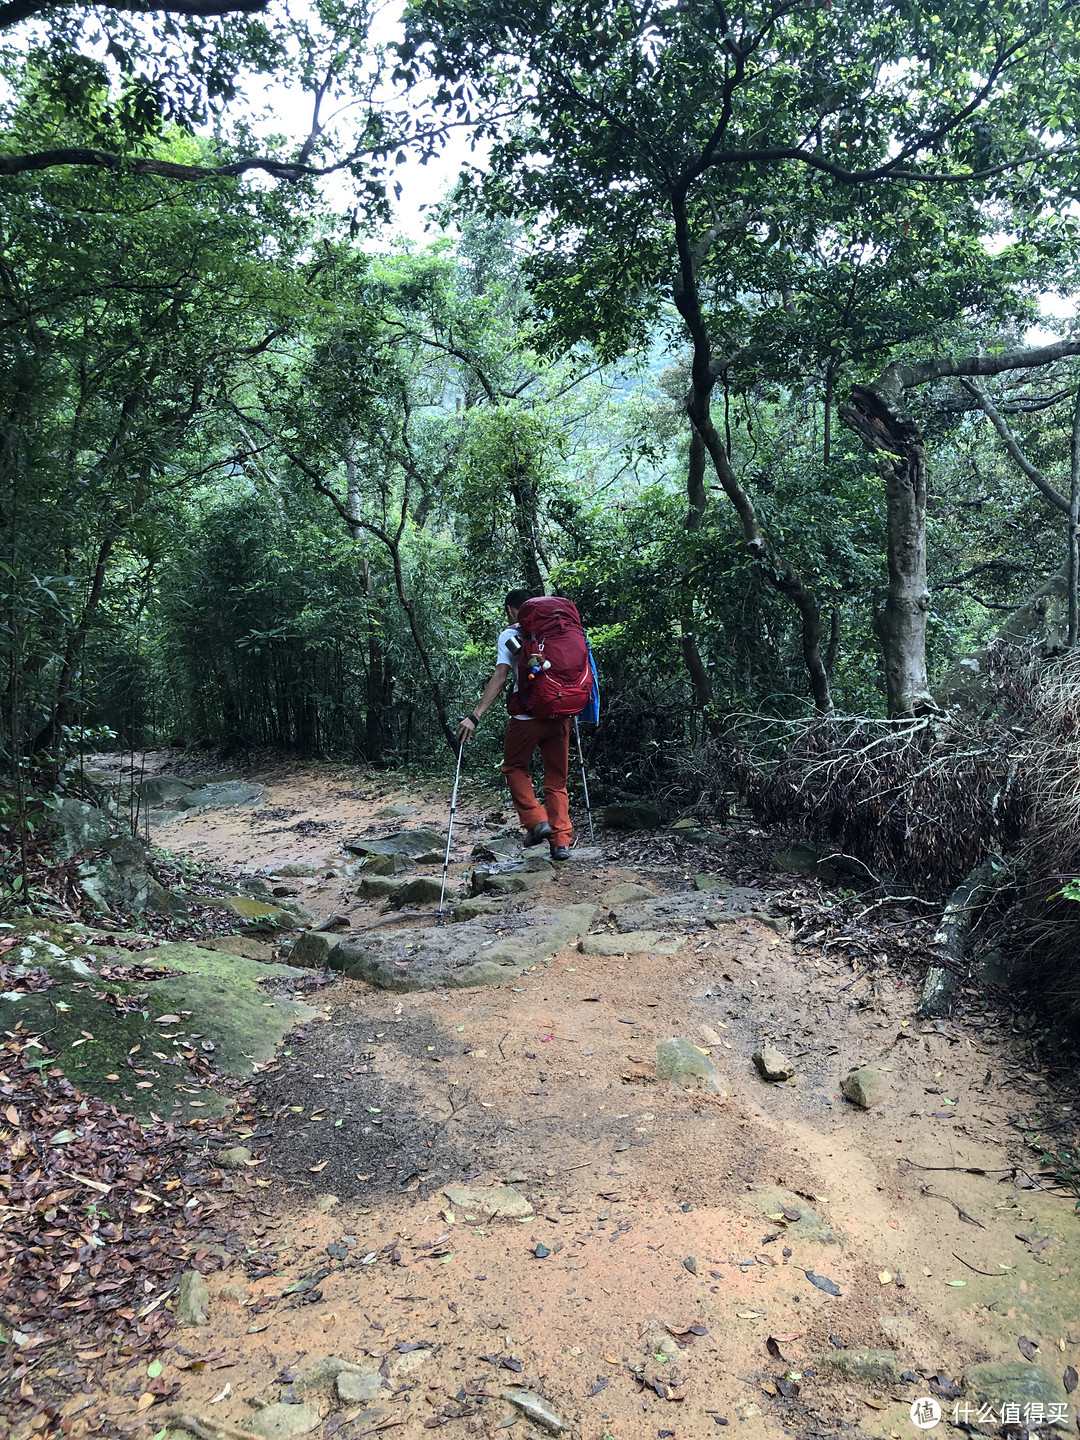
point(553, 612)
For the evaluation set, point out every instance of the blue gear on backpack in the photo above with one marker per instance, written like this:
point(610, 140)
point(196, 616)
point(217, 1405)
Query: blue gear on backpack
point(591, 714)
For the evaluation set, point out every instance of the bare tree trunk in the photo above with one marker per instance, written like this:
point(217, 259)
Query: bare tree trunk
point(900, 625)
point(523, 493)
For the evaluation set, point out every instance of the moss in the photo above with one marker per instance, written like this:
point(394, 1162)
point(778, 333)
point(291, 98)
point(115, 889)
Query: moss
point(217, 996)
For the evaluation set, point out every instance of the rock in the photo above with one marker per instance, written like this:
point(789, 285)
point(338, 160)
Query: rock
point(689, 910)
point(625, 892)
point(711, 883)
point(74, 826)
point(864, 1364)
point(465, 954)
point(864, 1086)
point(312, 949)
point(219, 795)
point(683, 1063)
point(633, 942)
point(192, 1300)
point(1013, 1382)
point(280, 1422)
point(297, 871)
point(245, 945)
point(325, 1203)
point(223, 993)
point(476, 906)
point(510, 882)
point(419, 847)
point(773, 1064)
point(235, 1158)
point(119, 880)
point(772, 1202)
point(159, 789)
point(499, 848)
point(261, 912)
point(379, 865)
point(497, 1202)
point(357, 1387)
point(632, 817)
point(234, 1293)
point(686, 822)
point(408, 1363)
point(377, 887)
point(422, 891)
point(799, 860)
point(325, 1371)
point(396, 812)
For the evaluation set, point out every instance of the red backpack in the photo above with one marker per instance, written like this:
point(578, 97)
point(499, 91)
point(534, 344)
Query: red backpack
point(554, 673)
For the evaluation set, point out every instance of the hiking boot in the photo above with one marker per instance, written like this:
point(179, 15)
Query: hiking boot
point(538, 834)
point(560, 852)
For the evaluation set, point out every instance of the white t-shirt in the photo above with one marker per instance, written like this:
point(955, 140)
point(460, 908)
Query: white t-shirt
point(504, 656)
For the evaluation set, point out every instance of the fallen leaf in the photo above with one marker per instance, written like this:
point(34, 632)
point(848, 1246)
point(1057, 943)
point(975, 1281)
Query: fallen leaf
point(1069, 1379)
point(314, 1169)
point(146, 1399)
point(773, 1347)
point(1026, 1347)
point(224, 1394)
point(822, 1282)
point(884, 1277)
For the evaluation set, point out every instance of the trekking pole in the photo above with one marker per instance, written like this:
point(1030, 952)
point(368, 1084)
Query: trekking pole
point(584, 782)
point(450, 830)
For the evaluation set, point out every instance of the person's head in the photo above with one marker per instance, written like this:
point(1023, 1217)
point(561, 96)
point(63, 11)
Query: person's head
point(513, 602)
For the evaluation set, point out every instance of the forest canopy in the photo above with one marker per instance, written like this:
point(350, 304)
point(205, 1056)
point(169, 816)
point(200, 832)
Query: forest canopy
point(731, 328)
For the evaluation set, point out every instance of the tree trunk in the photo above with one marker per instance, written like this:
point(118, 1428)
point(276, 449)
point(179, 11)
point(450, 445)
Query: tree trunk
point(769, 563)
point(523, 494)
point(1074, 523)
point(48, 737)
point(900, 625)
point(947, 951)
point(697, 498)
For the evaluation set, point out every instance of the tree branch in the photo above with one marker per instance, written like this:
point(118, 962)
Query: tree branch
point(1012, 445)
point(16, 10)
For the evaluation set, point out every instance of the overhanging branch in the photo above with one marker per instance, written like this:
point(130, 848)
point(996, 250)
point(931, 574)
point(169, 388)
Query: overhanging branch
point(17, 10)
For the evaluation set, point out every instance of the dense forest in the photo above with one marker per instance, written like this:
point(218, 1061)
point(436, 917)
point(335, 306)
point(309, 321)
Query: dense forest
point(736, 326)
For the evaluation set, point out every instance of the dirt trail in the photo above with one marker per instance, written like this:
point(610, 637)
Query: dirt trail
point(672, 1230)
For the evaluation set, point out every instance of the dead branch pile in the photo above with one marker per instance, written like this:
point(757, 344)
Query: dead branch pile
point(922, 801)
point(1051, 943)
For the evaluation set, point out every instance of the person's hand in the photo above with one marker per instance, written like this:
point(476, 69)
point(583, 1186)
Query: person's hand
point(465, 728)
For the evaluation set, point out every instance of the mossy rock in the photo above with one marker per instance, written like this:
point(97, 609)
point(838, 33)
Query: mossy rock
point(217, 996)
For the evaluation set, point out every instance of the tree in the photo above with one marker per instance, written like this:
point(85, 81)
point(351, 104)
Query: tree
point(680, 152)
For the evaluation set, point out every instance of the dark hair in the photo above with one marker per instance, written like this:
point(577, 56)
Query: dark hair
point(516, 598)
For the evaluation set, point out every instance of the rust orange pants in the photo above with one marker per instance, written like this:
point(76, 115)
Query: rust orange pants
point(553, 738)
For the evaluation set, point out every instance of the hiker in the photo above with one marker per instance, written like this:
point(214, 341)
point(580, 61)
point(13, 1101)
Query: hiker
point(543, 649)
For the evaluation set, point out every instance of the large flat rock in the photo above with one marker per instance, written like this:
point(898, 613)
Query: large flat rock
point(470, 952)
point(690, 910)
point(420, 847)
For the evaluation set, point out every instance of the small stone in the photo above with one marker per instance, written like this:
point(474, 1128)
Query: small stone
point(312, 948)
point(396, 812)
point(773, 1064)
point(236, 1293)
point(297, 871)
point(323, 1371)
point(235, 1158)
point(626, 892)
point(634, 942)
point(711, 883)
point(326, 1203)
point(509, 882)
point(356, 1387)
point(280, 1422)
point(192, 1299)
point(408, 1363)
point(864, 1086)
point(683, 1063)
point(496, 1202)
point(864, 1364)
point(517, 1177)
point(418, 847)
